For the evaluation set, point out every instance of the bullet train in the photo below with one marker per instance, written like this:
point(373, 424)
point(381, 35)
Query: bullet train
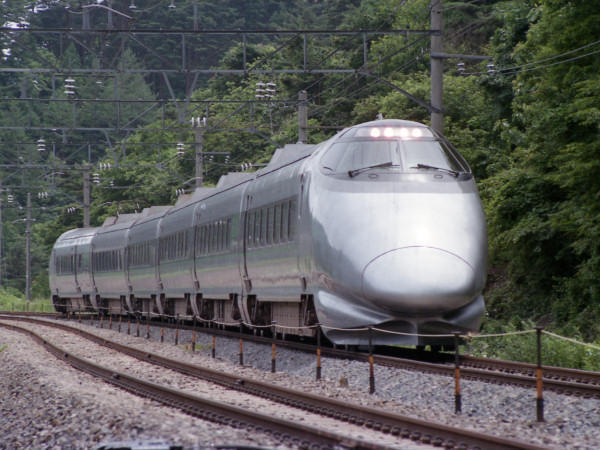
point(379, 227)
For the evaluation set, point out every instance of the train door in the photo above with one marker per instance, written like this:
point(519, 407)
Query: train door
point(196, 245)
point(244, 234)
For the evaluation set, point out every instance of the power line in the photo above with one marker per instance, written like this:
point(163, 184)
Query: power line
point(515, 69)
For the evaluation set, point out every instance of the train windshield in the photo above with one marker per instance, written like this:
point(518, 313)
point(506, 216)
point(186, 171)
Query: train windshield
point(410, 154)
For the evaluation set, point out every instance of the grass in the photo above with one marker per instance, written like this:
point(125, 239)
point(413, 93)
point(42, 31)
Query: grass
point(523, 348)
point(12, 300)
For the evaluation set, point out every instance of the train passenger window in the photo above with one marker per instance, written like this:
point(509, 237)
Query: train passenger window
point(200, 240)
point(219, 235)
point(228, 235)
point(277, 226)
point(285, 211)
point(213, 238)
point(263, 226)
point(250, 230)
point(292, 221)
point(257, 228)
point(270, 222)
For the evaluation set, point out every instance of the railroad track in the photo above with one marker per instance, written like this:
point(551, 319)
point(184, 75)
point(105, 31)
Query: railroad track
point(555, 379)
point(379, 421)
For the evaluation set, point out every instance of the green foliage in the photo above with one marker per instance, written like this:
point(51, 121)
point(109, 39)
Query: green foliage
point(523, 347)
point(529, 134)
point(12, 300)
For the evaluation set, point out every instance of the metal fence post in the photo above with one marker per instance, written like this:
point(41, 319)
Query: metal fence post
point(318, 351)
point(457, 395)
point(241, 343)
point(371, 368)
point(273, 348)
point(539, 377)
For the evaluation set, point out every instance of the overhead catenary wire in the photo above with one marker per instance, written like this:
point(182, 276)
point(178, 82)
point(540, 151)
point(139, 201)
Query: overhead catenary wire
point(534, 65)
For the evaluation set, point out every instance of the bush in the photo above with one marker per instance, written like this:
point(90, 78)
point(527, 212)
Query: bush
point(523, 347)
point(13, 300)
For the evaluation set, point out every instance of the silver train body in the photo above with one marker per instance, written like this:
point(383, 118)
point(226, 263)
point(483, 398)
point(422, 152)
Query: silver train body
point(380, 226)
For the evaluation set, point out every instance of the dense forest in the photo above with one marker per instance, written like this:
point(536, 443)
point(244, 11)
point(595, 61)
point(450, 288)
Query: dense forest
point(527, 120)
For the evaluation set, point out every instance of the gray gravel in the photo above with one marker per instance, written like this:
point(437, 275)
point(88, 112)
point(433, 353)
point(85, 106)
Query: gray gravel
point(47, 405)
point(571, 422)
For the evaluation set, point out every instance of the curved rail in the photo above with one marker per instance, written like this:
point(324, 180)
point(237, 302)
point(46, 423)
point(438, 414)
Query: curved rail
point(387, 422)
point(556, 379)
point(292, 433)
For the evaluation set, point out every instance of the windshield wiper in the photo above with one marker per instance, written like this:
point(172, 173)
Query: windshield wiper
point(354, 172)
point(454, 173)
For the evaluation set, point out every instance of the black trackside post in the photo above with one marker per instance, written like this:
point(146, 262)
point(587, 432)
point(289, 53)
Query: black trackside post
point(318, 352)
point(371, 368)
point(273, 349)
point(137, 327)
point(214, 346)
point(162, 334)
point(177, 330)
point(539, 377)
point(128, 326)
point(457, 395)
point(241, 344)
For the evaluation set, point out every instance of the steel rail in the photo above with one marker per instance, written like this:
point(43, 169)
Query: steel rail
point(283, 430)
point(386, 422)
point(556, 379)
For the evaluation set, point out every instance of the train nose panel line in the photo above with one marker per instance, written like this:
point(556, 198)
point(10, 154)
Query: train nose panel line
point(419, 280)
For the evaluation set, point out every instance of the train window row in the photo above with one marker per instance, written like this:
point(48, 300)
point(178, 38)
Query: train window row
point(272, 224)
point(141, 254)
point(175, 246)
point(107, 261)
point(213, 237)
point(64, 264)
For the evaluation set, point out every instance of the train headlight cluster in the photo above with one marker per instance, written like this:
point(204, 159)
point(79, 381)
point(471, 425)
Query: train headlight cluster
point(394, 132)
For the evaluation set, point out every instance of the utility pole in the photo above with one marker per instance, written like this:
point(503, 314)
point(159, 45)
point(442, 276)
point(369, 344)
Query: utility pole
point(86, 196)
point(28, 249)
point(437, 67)
point(302, 117)
point(199, 141)
point(1, 267)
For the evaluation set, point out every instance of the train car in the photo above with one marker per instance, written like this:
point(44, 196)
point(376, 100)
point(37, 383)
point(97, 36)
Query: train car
point(70, 275)
point(379, 228)
point(109, 267)
point(399, 235)
point(142, 261)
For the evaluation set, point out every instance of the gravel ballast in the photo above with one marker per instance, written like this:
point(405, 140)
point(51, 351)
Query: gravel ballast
point(571, 422)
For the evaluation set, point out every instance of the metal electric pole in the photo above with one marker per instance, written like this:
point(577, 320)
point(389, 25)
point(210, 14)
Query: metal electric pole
point(86, 196)
point(437, 67)
point(199, 142)
point(1, 241)
point(302, 117)
point(28, 249)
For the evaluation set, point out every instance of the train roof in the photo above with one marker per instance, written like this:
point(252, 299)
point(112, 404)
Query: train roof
point(77, 233)
point(288, 154)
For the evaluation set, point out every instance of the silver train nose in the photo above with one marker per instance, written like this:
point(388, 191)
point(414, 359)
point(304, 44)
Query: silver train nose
point(419, 280)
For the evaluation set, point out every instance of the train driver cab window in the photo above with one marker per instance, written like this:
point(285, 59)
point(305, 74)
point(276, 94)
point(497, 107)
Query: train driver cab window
point(428, 152)
point(404, 148)
point(346, 156)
